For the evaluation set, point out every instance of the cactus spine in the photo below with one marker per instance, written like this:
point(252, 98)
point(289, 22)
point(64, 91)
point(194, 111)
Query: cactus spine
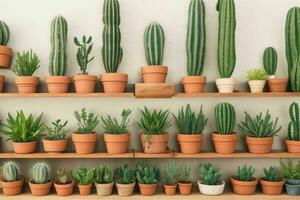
point(294, 125)
point(270, 60)
point(112, 52)
point(10, 171)
point(225, 118)
point(226, 45)
point(154, 43)
point(58, 55)
point(4, 33)
point(295, 76)
point(196, 37)
point(41, 173)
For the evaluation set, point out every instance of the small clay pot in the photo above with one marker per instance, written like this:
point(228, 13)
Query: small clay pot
point(185, 188)
point(194, 84)
point(24, 147)
point(85, 190)
point(154, 74)
point(170, 189)
point(40, 189)
point(225, 85)
point(224, 144)
point(271, 188)
point(5, 56)
point(147, 189)
point(64, 189)
point(84, 83)
point(259, 145)
point(293, 146)
point(27, 84)
point(114, 82)
point(104, 189)
point(278, 84)
point(117, 143)
point(190, 144)
point(155, 143)
point(84, 143)
point(12, 188)
point(58, 84)
point(55, 146)
point(244, 187)
point(125, 189)
point(2, 80)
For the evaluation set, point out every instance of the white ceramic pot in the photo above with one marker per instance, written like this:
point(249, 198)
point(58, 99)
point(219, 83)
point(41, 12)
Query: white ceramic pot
point(225, 85)
point(257, 86)
point(211, 190)
point(104, 189)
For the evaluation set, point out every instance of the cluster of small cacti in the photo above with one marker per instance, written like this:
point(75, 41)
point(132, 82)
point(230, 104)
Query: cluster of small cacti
point(4, 33)
point(270, 60)
point(294, 125)
point(225, 118)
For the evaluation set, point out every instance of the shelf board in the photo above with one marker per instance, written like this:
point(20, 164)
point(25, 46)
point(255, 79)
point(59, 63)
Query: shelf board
point(67, 95)
point(240, 94)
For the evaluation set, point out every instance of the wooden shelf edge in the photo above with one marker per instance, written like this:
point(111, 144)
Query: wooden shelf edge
point(7, 95)
point(240, 94)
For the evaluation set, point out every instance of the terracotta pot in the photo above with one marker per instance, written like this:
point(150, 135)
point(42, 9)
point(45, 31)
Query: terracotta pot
point(12, 188)
point(293, 146)
point(85, 190)
point(194, 84)
point(5, 56)
point(117, 143)
point(104, 189)
point(224, 144)
point(154, 74)
point(27, 84)
point(114, 82)
point(244, 187)
point(40, 189)
point(55, 146)
point(272, 188)
point(278, 84)
point(58, 84)
point(125, 189)
point(185, 188)
point(84, 83)
point(259, 145)
point(84, 143)
point(147, 189)
point(225, 85)
point(2, 80)
point(64, 189)
point(190, 144)
point(170, 189)
point(155, 143)
point(24, 147)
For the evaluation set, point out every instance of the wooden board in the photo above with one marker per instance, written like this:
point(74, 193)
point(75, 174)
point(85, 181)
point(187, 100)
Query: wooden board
point(9, 95)
point(147, 90)
point(240, 94)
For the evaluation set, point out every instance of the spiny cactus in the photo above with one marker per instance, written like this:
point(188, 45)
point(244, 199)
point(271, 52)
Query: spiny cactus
point(147, 174)
point(270, 60)
point(225, 118)
point(84, 49)
point(294, 125)
point(112, 52)
point(41, 173)
point(226, 46)
point(58, 55)
point(103, 175)
point(10, 171)
point(196, 37)
point(4, 33)
point(295, 76)
point(154, 43)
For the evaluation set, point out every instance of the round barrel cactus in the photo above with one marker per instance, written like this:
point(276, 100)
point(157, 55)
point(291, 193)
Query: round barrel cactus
point(225, 118)
point(41, 173)
point(10, 171)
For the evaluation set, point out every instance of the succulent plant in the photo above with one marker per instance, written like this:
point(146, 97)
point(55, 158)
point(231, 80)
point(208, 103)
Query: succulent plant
point(26, 63)
point(256, 74)
point(4, 33)
point(295, 76)
point(10, 171)
point(62, 176)
point(103, 175)
point(225, 118)
point(147, 174)
point(84, 176)
point(112, 126)
point(210, 175)
point(57, 130)
point(272, 174)
point(245, 173)
point(171, 173)
point(124, 175)
point(185, 174)
point(84, 49)
point(41, 173)
point(86, 122)
point(294, 124)
point(289, 169)
point(270, 60)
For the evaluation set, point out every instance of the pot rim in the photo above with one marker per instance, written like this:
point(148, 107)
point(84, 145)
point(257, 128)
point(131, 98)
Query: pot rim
point(235, 181)
point(271, 183)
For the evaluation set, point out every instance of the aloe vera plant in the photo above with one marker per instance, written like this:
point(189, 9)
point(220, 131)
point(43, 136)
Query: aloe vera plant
point(171, 173)
point(185, 174)
point(210, 175)
point(147, 174)
point(26, 63)
point(245, 173)
point(272, 174)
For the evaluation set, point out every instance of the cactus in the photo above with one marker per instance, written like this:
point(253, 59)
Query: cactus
point(103, 175)
point(154, 43)
point(41, 173)
point(225, 118)
point(196, 37)
point(84, 49)
point(226, 45)
point(4, 33)
point(10, 171)
point(295, 76)
point(112, 52)
point(270, 60)
point(294, 125)
point(58, 55)
point(147, 174)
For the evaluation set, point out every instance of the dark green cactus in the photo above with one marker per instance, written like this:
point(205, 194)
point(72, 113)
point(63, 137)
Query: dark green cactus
point(103, 175)
point(270, 60)
point(147, 174)
point(4, 33)
point(295, 76)
point(225, 118)
point(84, 49)
point(294, 125)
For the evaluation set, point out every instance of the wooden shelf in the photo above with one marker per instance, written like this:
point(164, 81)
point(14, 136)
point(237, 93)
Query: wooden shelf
point(67, 95)
point(240, 94)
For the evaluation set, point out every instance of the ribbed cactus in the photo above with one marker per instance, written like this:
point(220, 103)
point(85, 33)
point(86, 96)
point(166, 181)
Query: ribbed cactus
point(4, 33)
point(10, 171)
point(112, 52)
point(58, 55)
point(270, 60)
point(196, 37)
point(41, 173)
point(295, 76)
point(225, 118)
point(226, 45)
point(154, 43)
point(294, 125)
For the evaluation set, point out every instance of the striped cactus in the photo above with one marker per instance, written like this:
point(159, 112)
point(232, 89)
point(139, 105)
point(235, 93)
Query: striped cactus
point(58, 55)
point(270, 60)
point(294, 125)
point(196, 37)
point(226, 46)
point(10, 171)
point(295, 76)
point(154, 43)
point(225, 118)
point(41, 173)
point(112, 52)
point(4, 33)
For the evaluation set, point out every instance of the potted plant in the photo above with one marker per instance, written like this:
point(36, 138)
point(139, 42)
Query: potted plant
point(23, 131)
point(125, 180)
point(259, 132)
point(272, 183)
point(195, 48)
point(84, 138)
point(190, 126)
point(211, 182)
point(63, 185)
point(170, 186)
point(224, 138)
point(154, 125)
point(5, 52)
point(116, 134)
point(112, 51)
point(25, 65)
point(58, 82)
point(148, 177)
point(56, 138)
point(11, 179)
point(84, 83)
point(40, 183)
point(291, 173)
point(104, 180)
point(293, 139)
point(244, 183)
point(256, 79)
point(154, 44)
point(184, 183)
point(85, 178)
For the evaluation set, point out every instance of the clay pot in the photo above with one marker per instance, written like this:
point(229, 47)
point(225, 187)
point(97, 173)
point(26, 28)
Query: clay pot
point(185, 188)
point(2, 80)
point(259, 145)
point(117, 143)
point(190, 144)
point(12, 188)
point(225, 85)
point(224, 144)
point(244, 187)
point(257, 86)
point(84, 83)
point(194, 84)
point(272, 188)
point(147, 189)
point(211, 190)
point(278, 84)
point(55, 146)
point(58, 84)
point(293, 146)
point(64, 189)
point(5, 56)
point(85, 190)
point(114, 82)
point(154, 74)
point(84, 143)
point(27, 84)
point(125, 189)
point(170, 189)
point(24, 147)
point(155, 143)
point(40, 189)
point(104, 189)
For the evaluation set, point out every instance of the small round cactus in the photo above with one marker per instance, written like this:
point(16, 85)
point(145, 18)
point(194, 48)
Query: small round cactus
point(10, 171)
point(41, 173)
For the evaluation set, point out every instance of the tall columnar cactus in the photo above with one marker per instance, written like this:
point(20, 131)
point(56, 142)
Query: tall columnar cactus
point(225, 118)
point(270, 60)
point(4, 33)
point(41, 173)
point(196, 37)
point(112, 52)
point(10, 171)
point(295, 76)
point(226, 45)
point(58, 55)
point(154, 43)
point(294, 125)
